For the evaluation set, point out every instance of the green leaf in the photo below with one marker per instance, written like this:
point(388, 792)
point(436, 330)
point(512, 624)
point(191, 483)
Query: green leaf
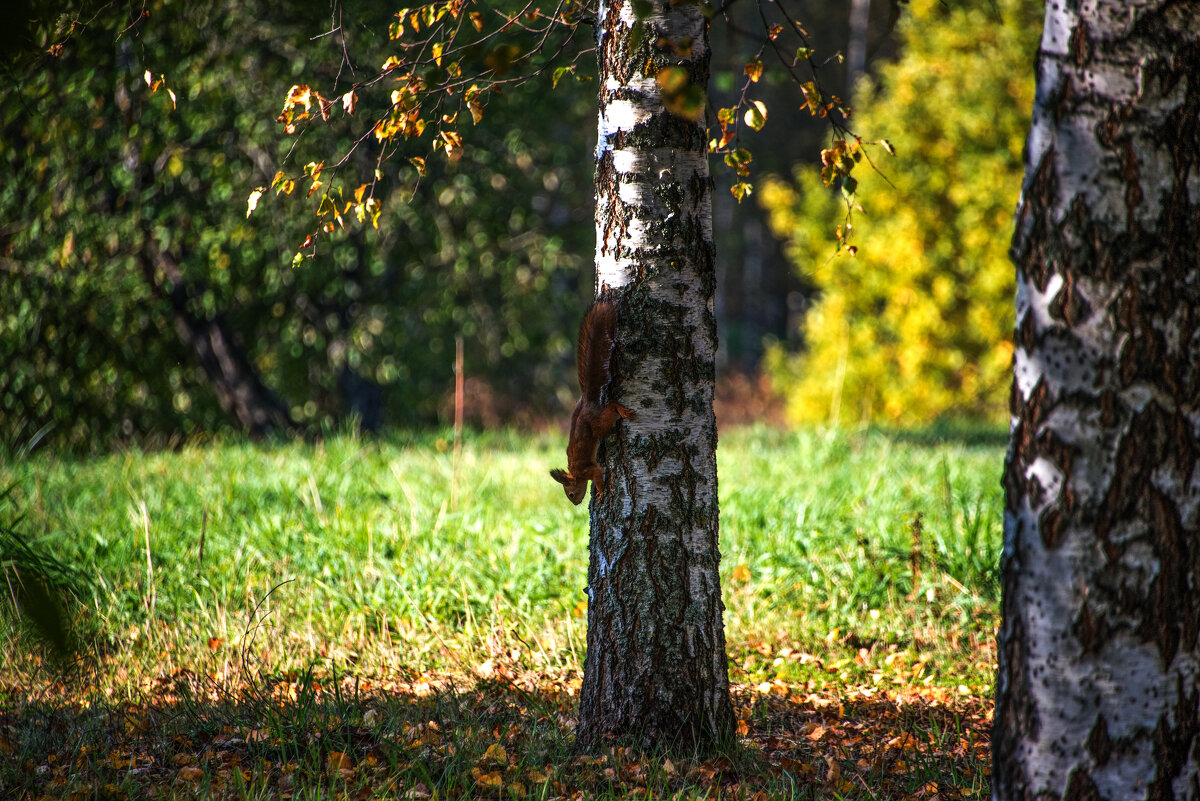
point(642, 8)
point(756, 115)
point(741, 190)
point(559, 72)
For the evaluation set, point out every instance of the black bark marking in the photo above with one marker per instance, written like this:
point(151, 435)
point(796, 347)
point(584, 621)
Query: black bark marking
point(1175, 604)
point(1032, 236)
point(1173, 744)
point(1133, 187)
point(1099, 745)
point(1081, 787)
point(1089, 630)
point(1080, 45)
point(1016, 713)
point(1068, 304)
point(1054, 517)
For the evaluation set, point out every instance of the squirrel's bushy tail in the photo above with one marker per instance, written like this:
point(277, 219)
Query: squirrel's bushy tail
point(596, 335)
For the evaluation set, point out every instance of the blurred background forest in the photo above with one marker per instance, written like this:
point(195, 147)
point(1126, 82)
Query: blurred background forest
point(139, 303)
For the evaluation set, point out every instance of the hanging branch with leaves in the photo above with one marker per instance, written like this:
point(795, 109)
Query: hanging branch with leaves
point(452, 57)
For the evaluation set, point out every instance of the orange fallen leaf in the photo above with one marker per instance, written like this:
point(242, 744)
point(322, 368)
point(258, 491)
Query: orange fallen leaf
point(190, 773)
point(496, 753)
point(493, 778)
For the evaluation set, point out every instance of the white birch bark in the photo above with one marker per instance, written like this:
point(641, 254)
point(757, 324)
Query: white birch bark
point(1098, 694)
point(655, 667)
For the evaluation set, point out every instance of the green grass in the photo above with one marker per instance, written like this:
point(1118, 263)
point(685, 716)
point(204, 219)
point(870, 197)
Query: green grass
point(233, 584)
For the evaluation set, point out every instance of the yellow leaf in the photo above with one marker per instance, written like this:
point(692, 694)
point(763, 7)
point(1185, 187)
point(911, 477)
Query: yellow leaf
point(754, 70)
point(672, 79)
point(741, 573)
point(454, 146)
point(496, 753)
point(488, 779)
point(251, 205)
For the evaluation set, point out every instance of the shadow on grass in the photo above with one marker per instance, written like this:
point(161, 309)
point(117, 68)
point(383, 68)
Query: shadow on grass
point(307, 735)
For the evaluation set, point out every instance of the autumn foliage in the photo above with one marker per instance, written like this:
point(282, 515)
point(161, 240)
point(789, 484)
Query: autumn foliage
point(913, 320)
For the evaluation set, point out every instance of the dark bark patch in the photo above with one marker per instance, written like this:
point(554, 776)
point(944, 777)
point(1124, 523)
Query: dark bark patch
point(1175, 617)
point(1081, 787)
point(1016, 714)
point(1099, 744)
point(1030, 414)
point(1089, 630)
point(1032, 236)
point(1051, 525)
point(1068, 304)
point(1124, 490)
point(1173, 743)
point(1080, 44)
point(1131, 175)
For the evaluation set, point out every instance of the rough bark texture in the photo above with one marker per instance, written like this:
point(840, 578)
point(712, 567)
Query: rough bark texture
point(655, 670)
point(1098, 690)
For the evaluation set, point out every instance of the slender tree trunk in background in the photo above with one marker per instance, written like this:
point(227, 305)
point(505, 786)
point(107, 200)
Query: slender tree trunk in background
point(856, 48)
point(1098, 695)
point(655, 671)
point(233, 379)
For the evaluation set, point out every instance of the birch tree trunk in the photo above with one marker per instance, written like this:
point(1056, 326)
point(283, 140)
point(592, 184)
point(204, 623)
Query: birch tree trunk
point(1098, 695)
point(655, 671)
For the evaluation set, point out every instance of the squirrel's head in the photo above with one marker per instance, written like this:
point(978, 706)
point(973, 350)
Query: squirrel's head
point(575, 488)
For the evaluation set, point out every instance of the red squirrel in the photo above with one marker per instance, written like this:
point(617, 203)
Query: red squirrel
point(590, 421)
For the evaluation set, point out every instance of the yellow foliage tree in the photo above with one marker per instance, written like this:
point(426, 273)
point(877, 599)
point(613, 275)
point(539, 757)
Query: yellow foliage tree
point(917, 325)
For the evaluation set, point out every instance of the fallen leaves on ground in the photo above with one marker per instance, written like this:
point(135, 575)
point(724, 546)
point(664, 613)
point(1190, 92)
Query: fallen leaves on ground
point(465, 737)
